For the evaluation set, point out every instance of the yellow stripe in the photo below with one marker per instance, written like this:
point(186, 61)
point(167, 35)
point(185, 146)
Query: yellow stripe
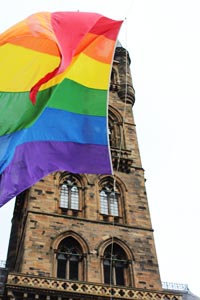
point(21, 67)
point(89, 72)
point(86, 71)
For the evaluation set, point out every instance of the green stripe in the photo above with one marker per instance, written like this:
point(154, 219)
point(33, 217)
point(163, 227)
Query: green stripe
point(74, 97)
point(18, 112)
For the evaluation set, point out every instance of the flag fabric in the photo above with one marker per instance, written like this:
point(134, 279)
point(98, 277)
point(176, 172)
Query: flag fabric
point(54, 81)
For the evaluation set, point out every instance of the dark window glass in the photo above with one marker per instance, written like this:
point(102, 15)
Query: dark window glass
point(61, 266)
point(73, 269)
point(119, 272)
point(107, 273)
point(116, 134)
point(115, 265)
point(69, 258)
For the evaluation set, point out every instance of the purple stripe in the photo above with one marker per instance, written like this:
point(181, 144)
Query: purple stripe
point(33, 161)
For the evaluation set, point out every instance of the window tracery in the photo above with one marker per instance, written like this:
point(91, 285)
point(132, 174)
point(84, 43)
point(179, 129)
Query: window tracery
point(69, 260)
point(116, 133)
point(114, 79)
point(70, 194)
point(121, 156)
point(115, 264)
point(111, 200)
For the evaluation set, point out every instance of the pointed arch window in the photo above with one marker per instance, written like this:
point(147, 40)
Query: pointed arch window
point(69, 260)
point(109, 202)
point(109, 199)
point(69, 194)
point(116, 134)
point(115, 265)
point(114, 82)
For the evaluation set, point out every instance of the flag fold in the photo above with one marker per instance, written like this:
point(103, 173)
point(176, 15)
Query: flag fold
point(54, 82)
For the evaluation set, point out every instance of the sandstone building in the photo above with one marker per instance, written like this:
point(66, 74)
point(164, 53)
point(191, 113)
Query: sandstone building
point(80, 236)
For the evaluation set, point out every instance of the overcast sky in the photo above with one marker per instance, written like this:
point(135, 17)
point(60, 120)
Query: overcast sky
point(163, 40)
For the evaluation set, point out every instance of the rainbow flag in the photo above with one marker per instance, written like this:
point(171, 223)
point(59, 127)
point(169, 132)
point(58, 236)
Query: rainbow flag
point(54, 81)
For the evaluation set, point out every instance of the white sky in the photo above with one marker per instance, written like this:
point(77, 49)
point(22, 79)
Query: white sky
point(162, 37)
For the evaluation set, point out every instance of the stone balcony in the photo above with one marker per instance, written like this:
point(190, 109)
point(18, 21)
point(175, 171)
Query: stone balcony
point(121, 160)
point(21, 286)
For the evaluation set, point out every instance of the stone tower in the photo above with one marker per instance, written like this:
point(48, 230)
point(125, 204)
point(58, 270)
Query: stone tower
point(79, 236)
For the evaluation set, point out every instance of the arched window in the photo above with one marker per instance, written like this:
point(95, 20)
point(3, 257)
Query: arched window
point(69, 193)
point(115, 265)
point(116, 134)
point(69, 260)
point(114, 80)
point(109, 202)
point(109, 199)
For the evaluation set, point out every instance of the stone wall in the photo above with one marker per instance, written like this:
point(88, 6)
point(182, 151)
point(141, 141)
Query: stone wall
point(45, 223)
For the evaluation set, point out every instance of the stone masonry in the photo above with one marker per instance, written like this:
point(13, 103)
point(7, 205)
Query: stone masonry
point(39, 224)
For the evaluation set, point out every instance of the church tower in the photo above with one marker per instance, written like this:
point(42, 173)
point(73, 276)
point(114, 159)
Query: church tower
point(80, 236)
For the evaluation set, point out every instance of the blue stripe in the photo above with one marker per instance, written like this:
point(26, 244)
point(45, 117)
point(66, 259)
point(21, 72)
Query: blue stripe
point(56, 125)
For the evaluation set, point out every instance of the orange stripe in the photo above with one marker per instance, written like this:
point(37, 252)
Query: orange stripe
point(34, 33)
point(13, 33)
point(97, 47)
point(40, 44)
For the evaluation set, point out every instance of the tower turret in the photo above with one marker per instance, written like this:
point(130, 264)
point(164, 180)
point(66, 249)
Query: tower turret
point(76, 236)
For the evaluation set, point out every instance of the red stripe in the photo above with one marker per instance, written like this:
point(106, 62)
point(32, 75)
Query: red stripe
point(70, 28)
point(107, 27)
point(34, 90)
